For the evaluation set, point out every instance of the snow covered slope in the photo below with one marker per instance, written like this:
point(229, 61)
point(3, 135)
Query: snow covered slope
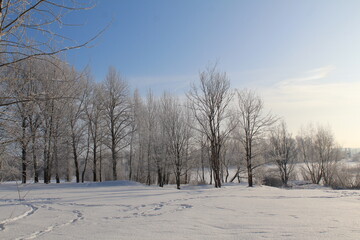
point(127, 210)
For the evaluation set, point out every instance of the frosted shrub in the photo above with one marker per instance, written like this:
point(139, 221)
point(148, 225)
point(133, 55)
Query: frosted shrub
point(346, 178)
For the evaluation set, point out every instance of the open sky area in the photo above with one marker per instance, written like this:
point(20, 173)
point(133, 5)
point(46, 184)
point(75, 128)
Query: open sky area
point(302, 57)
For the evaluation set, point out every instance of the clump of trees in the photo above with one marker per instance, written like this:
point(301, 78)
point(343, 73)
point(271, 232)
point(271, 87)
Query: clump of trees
point(58, 123)
point(320, 154)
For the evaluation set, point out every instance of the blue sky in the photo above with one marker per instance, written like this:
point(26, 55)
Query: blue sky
point(301, 56)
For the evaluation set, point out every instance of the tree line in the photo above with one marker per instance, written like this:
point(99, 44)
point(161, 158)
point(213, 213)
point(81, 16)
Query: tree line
point(58, 123)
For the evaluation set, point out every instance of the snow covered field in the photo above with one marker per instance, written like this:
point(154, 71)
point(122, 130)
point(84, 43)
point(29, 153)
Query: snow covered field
point(126, 210)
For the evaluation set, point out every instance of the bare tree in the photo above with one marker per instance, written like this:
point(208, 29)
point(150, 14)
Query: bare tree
point(31, 29)
point(253, 123)
point(210, 101)
point(283, 151)
point(190, 148)
point(76, 112)
point(150, 123)
point(117, 115)
point(94, 110)
point(176, 128)
point(133, 127)
point(21, 116)
point(159, 152)
point(139, 139)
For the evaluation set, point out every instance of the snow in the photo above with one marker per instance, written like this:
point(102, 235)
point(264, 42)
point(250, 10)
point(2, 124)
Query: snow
point(128, 210)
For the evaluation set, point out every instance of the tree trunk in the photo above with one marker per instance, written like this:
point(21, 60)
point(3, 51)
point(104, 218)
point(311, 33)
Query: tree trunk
point(250, 175)
point(148, 179)
point(114, 161)
point(217, 179)
point(235, 175)
point(86, 159)
point(47, 161)
point(216, 166)
point(160, 178)
point(50, 165)
point(186, 163)
point(94, 160)
point(76, 162)
point(33, 127)
point(202, 165)
point(47, 168)
point(23, 164)
point(227, 174)
point(178, 174)
point(178, 169)
point(48, 137)
point(36, 171)
point(100, 163)
point(83, 172)
point(130, 156)
point(23, 151)
point(68, 177)
point(55, 156)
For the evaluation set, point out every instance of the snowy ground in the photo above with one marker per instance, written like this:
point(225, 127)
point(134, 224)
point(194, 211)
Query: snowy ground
point(125, 210)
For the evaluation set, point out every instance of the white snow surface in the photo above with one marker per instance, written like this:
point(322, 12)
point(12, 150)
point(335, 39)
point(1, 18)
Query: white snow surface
point(128, 210)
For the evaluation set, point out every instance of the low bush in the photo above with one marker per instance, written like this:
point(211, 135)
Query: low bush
point(346, 178)
point(272, 181)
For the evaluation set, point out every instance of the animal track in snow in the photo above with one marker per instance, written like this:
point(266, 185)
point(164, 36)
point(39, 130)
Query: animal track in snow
point(32, 210)
point(153, 209)
point(34, 235)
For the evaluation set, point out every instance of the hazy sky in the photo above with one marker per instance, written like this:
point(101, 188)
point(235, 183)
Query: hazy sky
point(302, 57)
